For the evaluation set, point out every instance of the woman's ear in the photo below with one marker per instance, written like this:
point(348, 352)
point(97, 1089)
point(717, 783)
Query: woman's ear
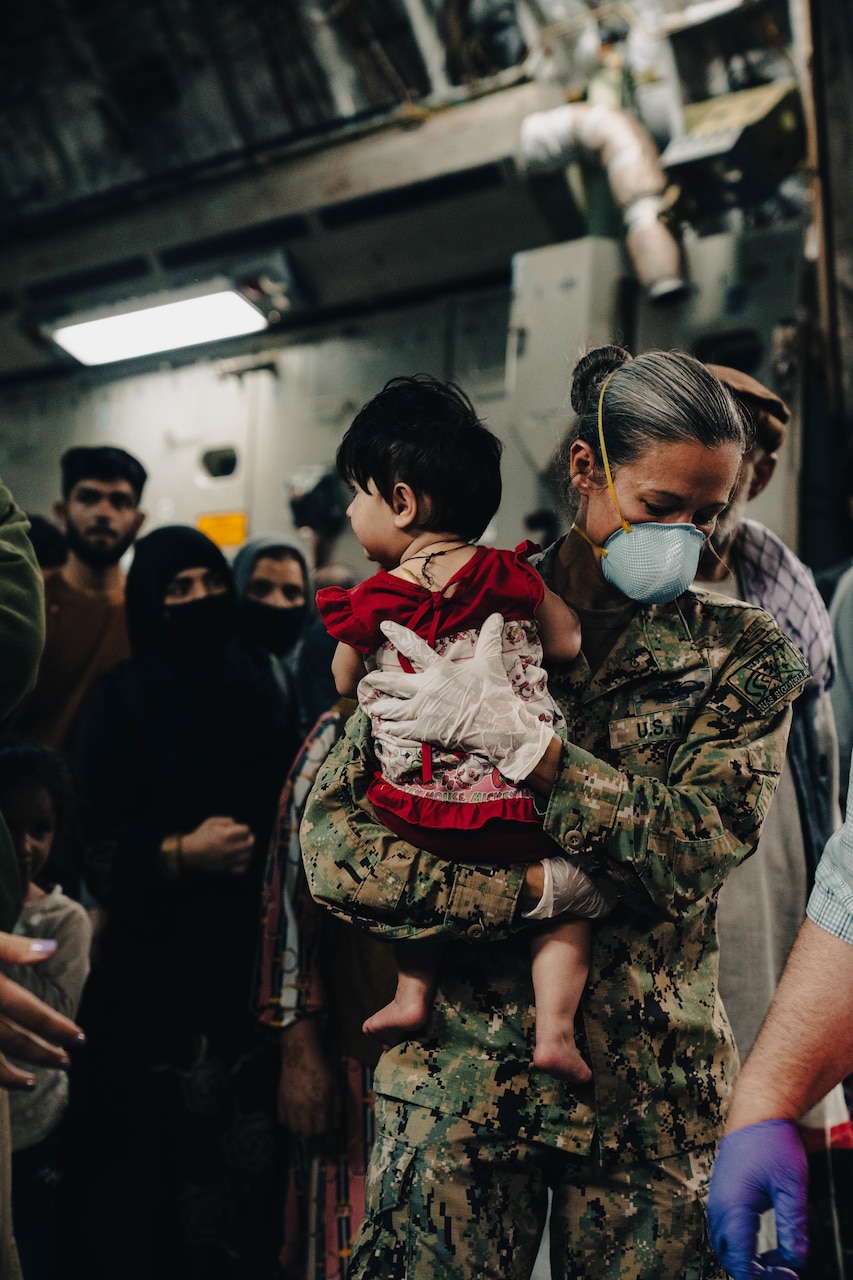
point(582, 467)
point(404, 504)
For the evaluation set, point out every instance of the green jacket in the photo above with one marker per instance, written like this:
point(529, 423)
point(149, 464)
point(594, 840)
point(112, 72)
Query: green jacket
point(21, 642)
point(674, 748)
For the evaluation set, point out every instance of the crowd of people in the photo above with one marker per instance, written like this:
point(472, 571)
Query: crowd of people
point(546, 774)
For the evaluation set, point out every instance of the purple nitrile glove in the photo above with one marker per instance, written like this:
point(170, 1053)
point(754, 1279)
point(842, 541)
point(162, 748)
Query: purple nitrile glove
point(760, 1167)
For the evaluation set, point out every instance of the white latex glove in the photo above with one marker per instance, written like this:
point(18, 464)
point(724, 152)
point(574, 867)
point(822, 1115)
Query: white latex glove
point(466, 705)
point(567, 888)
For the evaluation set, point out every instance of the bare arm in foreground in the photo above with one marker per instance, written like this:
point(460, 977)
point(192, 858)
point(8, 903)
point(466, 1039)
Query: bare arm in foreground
point(804, 1048)
point(806, 1044)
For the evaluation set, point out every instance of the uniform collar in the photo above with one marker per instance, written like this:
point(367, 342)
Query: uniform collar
point(656, 639)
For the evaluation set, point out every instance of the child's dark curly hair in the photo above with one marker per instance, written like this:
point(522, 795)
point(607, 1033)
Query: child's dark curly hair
point(25, 764)
point(427, 433)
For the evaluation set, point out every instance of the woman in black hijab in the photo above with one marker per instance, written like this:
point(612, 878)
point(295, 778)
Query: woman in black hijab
point(182, 753)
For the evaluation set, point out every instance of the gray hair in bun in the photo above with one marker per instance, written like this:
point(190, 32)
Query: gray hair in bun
point(659, 397)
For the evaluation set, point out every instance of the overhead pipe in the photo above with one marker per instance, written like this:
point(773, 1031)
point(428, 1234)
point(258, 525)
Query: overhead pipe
point(617, 141)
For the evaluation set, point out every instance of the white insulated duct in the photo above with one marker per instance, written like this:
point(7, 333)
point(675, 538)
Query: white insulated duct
point(617, 141)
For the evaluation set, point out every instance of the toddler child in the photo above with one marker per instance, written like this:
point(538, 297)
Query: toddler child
point(36, 800)
point(426, 478)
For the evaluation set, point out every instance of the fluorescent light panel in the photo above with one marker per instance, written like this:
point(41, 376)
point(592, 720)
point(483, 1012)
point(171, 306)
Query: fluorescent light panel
point(165, 327)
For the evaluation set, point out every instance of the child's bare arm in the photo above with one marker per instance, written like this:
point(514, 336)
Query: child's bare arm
point(347, 669)
point(559, 628)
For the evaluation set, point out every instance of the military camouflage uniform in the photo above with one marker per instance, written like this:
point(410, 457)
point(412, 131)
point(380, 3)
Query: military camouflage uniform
point(674, 749)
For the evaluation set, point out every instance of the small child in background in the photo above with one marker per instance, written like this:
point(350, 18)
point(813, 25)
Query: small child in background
point(426, 475)
point(37, 803)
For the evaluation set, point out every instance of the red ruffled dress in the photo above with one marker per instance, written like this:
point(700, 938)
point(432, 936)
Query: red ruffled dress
point(452, 803)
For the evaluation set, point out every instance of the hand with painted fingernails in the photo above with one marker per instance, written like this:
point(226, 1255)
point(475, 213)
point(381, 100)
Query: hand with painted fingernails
point(30, 1030)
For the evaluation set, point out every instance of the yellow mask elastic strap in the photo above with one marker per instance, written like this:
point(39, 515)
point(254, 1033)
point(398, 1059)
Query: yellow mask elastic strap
point(604, 458)
point(583, 533)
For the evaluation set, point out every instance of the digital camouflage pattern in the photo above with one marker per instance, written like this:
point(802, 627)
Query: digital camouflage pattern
point(673, 751)
point(449, 1200)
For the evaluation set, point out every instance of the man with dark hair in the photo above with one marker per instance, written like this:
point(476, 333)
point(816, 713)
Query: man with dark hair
point(101, 491)
point(86, 631)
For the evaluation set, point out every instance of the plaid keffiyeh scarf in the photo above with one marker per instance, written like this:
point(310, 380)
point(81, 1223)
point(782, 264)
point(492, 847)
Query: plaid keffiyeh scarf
point(775, 579)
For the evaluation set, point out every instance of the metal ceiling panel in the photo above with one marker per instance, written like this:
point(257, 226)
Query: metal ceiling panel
point(107, 101)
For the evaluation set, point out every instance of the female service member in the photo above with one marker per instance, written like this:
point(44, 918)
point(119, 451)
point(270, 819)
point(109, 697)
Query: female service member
point(677, 712)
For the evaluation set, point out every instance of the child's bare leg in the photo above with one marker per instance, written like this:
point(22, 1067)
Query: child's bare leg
point(408, 1012)
point(560, 965)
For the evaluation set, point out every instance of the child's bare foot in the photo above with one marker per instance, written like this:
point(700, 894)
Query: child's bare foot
point(399, 1020)
point(558, 1055)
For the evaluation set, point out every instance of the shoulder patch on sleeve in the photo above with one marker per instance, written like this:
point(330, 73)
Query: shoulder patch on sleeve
point(771, 676)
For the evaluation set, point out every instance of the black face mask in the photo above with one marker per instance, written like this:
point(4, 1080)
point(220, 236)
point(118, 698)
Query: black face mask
point(274, 629)
point(197, 629)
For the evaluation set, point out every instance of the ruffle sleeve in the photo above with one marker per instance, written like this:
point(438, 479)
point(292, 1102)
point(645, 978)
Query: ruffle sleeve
point(342, 621)
point(529, 580)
